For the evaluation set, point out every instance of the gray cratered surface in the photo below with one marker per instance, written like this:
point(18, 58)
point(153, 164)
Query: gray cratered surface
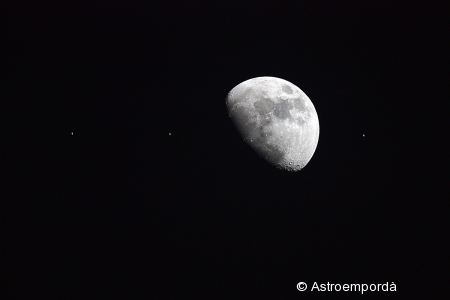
point(276, 119)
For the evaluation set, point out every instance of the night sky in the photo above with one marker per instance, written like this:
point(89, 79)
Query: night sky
point(155, 193)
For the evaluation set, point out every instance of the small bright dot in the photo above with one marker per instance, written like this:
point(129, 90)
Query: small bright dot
point(170, 133)
point(364, 135)
point(72, 133)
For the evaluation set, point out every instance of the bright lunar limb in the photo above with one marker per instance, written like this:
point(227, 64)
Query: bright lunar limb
point(276, 119)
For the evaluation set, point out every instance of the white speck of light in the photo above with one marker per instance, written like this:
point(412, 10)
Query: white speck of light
point(170, 133)
point(364, 135)
point(72, 133)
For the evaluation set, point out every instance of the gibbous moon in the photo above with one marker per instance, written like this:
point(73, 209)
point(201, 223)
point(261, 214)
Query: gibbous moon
point(276, 119)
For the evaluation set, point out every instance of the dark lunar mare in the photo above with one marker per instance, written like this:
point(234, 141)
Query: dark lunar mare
point(299, 104)
point(286, 89)
point(259, 142)
point(281, 110)
point(263, 106)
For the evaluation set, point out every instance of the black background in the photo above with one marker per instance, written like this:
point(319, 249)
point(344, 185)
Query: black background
point(122, 206)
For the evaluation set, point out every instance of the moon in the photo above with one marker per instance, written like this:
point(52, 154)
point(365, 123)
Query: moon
point(277, 119)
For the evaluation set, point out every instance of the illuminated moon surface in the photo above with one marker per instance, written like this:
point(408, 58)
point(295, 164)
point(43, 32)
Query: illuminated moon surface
point(276, 119)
